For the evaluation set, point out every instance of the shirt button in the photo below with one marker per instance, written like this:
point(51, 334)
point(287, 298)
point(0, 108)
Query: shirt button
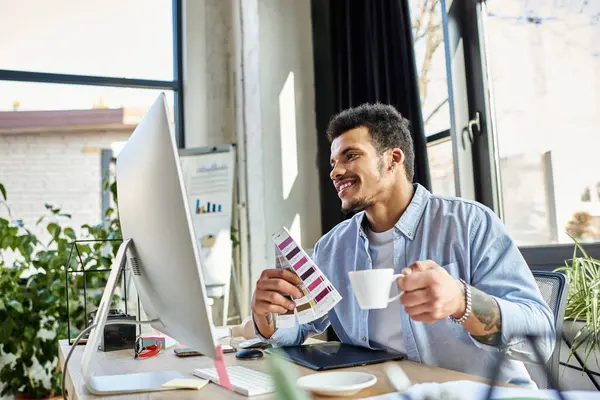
point(410, 234)
point(364, 339)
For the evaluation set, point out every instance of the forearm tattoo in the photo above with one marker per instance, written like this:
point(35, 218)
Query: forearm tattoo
point(486, 310)
point(271, 321)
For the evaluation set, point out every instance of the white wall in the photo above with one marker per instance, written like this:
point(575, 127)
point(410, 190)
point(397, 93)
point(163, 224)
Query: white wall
point(239, 54)
point(208, 95)
point(288, 122)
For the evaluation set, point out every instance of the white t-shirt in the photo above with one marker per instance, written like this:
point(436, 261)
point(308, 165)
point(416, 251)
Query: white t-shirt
point(385, 325)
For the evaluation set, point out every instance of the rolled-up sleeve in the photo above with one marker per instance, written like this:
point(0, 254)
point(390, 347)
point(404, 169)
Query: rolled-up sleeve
point(499, 269)
point(295, 335)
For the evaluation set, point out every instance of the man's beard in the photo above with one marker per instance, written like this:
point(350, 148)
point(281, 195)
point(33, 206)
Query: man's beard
point(363, 203)
point(356, 206)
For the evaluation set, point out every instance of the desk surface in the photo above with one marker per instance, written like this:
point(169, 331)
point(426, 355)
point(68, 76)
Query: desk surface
point(122, 362)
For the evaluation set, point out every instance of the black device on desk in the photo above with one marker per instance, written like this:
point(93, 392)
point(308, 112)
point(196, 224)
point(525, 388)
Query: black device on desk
point(331, 355)
point(117, 336)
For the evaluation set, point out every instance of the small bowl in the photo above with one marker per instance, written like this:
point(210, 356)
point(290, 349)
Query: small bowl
point(338, 383)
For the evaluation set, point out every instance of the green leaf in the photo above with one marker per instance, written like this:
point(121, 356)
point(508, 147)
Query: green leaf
point(54, 229)
point(18, 307)
point(70, 233)
point(65, 215)
point(52, 299)
point(6, 242)
point(284, 378)
point(40, 219)
point(6, 329)
point(2, 306)
point(56, 263)
point(3, 191)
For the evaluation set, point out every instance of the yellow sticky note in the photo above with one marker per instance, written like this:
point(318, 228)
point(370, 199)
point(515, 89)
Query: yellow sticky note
point(193, 383)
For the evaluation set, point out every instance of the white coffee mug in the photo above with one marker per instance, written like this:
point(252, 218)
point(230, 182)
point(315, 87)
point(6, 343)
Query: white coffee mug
point(372, 287)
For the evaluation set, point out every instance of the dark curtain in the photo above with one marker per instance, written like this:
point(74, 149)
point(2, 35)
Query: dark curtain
point(363, 53)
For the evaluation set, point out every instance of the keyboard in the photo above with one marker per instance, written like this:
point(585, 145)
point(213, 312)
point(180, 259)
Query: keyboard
point(244, 380)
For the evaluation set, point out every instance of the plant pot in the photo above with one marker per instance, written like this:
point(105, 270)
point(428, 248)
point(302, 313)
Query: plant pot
point(570, 329)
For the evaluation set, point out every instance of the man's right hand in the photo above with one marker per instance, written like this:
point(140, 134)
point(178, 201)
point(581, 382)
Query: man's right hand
point(268, 299)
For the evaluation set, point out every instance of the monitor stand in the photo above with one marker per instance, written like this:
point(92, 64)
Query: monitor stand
point(127, 383)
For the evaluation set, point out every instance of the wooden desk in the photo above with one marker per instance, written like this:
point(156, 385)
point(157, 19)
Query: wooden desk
point(121, 362)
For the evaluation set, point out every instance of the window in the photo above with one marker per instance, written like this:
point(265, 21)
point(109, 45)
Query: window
point(75, 80)
point(544, 58)
point(428, 36)
point(33, 96)
point(524, 99)
point(128, 38)
point(132, 44)
point(441, 168)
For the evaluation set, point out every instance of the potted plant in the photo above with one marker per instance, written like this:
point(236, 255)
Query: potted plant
point(33, 295)
point(582, 313)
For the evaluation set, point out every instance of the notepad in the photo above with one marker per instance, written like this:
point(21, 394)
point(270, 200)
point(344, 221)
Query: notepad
point(191, 383)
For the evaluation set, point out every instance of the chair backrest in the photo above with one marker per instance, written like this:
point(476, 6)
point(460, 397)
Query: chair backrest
point(554, 288)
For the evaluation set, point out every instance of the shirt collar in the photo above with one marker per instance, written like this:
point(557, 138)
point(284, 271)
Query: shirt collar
point(408, 222)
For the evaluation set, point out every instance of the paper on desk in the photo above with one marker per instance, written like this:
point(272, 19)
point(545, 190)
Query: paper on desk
point(319, 294)
point(221, 332)
point(191, 383)
point(470, 390)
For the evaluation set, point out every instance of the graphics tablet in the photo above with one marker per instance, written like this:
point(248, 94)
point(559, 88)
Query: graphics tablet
point(330, 355)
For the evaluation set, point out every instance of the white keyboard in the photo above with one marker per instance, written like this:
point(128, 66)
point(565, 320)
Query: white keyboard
point(244, 380)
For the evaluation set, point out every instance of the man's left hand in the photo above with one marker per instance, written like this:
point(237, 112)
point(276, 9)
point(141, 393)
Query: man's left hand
point(430, 293)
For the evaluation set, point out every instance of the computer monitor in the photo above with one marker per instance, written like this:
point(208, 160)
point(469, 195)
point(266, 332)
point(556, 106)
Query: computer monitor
point(160, 248)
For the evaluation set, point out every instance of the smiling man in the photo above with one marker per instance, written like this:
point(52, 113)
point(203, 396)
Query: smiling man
point(468, 293)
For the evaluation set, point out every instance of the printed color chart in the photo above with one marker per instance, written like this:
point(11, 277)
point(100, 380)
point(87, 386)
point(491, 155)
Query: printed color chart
point(319, 294)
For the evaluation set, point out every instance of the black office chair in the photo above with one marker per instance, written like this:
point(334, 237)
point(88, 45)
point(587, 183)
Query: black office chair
point(554, 288)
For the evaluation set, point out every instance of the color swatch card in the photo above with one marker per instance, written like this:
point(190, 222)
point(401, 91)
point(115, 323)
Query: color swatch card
point(319, 294)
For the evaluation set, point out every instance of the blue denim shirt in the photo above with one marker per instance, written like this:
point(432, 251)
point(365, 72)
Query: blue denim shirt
point(468, 241)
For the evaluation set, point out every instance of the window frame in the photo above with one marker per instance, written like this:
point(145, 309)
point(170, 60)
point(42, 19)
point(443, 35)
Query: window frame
point(437, 137)
point(470, 25)
point(176, 85)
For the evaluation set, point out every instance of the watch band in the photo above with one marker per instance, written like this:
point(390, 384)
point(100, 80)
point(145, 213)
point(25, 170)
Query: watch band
point(467, 293)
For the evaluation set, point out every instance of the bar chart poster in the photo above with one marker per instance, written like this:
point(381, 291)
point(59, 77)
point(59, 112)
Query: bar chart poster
point(208, 207)
point(208, 179)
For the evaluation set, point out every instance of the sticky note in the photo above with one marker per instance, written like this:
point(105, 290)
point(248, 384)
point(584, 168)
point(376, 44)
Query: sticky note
point(192, 383)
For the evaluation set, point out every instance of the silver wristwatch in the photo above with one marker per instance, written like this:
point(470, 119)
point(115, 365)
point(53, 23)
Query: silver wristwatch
point(466, 289)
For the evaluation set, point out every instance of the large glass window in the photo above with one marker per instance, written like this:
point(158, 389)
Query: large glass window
point(441, 168)
point(76, 77)
point(544, 58)
point(120, 38)
point(428, 36)
point(31, 96)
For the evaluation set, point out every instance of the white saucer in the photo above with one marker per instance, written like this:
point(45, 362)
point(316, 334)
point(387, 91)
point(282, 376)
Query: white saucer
point(338, 383)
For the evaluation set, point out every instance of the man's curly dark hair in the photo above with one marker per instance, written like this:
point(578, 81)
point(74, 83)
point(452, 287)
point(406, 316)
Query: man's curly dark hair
point(388, 129)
